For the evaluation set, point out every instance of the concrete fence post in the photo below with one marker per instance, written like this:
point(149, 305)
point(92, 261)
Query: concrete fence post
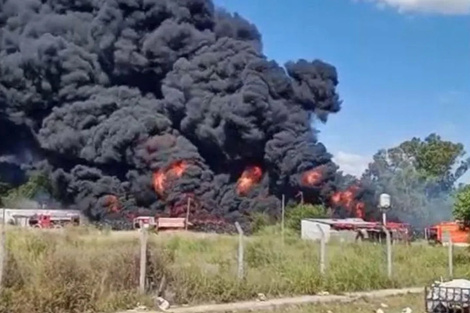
point(322, 250)
point(143, 259)
point(389, 251)
point(188, 209)
point(450, 255)
point(3, 250)
point(241, 251)
point(283, 218)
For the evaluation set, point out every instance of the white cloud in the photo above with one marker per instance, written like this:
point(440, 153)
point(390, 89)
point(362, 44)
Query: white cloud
point(350, 163)
point(447, 7)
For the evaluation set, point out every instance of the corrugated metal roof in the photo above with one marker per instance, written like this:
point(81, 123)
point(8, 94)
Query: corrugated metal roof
point(332, 221)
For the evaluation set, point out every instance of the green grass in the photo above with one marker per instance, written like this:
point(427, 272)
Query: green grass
point(83, 270)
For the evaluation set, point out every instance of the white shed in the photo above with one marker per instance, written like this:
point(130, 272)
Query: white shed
point(310, 229)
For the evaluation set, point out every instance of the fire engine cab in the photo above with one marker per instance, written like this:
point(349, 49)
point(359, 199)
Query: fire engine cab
point(456, 231)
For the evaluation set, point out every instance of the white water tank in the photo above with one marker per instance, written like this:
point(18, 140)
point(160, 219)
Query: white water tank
point(384, 201)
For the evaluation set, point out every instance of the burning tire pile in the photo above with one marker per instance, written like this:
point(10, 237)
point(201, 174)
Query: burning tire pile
point(131, 104)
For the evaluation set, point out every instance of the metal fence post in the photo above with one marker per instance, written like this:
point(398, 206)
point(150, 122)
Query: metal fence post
point(322, 249)
point(241, 249)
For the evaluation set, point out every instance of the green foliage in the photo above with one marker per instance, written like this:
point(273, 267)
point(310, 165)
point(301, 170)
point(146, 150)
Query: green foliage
point(260, 221)
point(85, 271)
point(462, 204)
point(36, 183)
point(296, 214)
point(420, 177)
point(4, 188)
point(432, 157)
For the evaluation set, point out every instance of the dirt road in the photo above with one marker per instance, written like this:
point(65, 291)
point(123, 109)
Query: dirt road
point(285, 302)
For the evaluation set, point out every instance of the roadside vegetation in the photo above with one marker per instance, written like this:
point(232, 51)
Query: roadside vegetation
point(85, 270)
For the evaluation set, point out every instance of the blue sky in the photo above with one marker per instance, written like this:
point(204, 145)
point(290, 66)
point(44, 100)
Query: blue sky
point(403, 65)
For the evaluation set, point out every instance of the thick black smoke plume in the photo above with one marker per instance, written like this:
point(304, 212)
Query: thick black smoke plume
point(105, 94)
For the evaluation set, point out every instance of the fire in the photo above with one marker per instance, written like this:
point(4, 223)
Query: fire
point(158, 181)
point(112, 202)
point(347, 200)
point(175, 170)
point(250, 176)
point(312, 177)
point(359, 208)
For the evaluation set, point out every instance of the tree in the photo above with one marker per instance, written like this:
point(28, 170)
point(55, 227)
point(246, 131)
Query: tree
point(36, 183)
point(4, 188)
point(296, 214)
point(433, 158)
point(420, 177)
point(462, 204)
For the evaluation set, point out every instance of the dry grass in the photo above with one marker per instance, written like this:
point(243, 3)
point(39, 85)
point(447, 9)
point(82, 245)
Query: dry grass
point(388, 305)
point(83, 270)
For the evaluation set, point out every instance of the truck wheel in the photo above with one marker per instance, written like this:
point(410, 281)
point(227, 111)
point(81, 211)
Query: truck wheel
point(359, 237)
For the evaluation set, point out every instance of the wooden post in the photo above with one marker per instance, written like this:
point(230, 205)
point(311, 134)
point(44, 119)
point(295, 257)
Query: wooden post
point(187, 213)
point(2, 248)
point(322, 250)
point(241, 273)
point(389, 251)
point(143, 259)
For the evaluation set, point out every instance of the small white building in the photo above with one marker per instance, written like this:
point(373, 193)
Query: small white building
point(311, 228)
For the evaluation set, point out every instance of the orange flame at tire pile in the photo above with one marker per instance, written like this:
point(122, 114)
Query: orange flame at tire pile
point(312, 177)
point(250, 176)
point(346, 199)
point(112, 202)
point(175, 170)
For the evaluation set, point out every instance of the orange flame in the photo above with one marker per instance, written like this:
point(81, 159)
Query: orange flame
point(112, 203)
point(175, 170)
point(250, 176)
point(346, 199)
point(312, 177)
point(360, 209)
point(159, 178)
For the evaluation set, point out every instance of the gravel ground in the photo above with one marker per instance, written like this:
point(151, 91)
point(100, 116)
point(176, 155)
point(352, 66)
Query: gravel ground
point(358, 301)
